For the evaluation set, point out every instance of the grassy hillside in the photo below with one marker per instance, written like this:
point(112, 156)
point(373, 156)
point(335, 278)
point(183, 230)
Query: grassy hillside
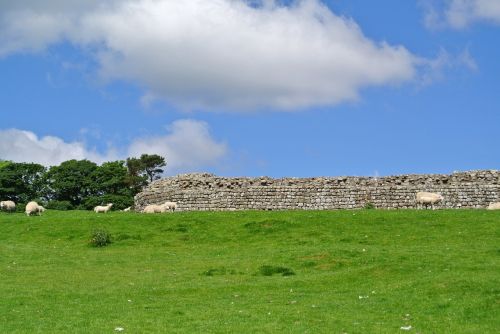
point(366, 271)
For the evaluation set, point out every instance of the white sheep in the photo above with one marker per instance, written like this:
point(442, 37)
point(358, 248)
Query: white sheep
point(426, 198)
point(103, 209)
point(153, 208)
point(494, 206)
point(127, 209)
point(7, 206)
point(33, 207)
point(170, 206)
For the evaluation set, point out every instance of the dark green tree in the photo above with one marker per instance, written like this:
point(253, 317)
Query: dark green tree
point(22, 182)
point(72, 181)
point(145, 169)
point(136, 180)
point(152, 166)
point(111, 178)
point(110, 185)
point(4, 163)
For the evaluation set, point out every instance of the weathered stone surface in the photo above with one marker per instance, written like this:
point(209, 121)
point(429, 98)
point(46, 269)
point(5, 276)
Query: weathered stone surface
point(207, 192)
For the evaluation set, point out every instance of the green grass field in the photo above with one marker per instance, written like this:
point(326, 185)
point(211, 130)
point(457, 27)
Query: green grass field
point(366, 271)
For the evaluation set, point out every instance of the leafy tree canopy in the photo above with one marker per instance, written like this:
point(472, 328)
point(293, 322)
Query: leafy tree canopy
point(111, 178)
point(146, 168)
point(4, 163)
point(72, 180)
point(152, 166)
point(22, 182)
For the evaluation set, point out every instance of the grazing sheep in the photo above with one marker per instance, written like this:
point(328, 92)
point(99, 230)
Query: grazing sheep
point(127, 209)
point(494, 206)
point(7, 206)
point(103, 209)
point(425, 198)
point(170, 206)
point(153, 208)
point(33, 207)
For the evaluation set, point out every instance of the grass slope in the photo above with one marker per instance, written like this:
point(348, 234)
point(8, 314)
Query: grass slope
point(366, 271)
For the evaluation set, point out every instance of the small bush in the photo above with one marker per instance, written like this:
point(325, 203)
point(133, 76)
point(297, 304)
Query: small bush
point(369, 206)
point(100, 238)
point(271, 270)
point(60, 205)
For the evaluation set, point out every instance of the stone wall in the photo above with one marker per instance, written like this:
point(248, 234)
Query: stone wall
point(207, 192)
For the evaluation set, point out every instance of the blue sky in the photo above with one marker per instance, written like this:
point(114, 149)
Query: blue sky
point(300, 89)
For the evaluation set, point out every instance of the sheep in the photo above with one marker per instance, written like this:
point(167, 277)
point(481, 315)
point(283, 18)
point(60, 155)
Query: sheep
point(103, 209)
point(170, 206)
point(33, 207)
point(494, 206)
point(426, 198)
point(127, 209)
point(7, 206)
point(153, 208)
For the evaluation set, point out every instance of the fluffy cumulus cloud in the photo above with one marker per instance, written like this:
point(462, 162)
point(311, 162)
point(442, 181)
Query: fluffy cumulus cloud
point(218, 54)
point(25, 146)
point(459, 14)
point(188, 146)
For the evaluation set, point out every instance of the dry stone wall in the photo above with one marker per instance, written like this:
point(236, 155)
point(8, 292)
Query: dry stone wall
point(207, 192)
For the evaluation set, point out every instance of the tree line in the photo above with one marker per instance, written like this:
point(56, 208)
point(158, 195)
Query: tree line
point(79, 184)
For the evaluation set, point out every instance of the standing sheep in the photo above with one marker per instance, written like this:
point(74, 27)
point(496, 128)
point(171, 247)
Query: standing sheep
point(7, 206)
point(103, 209)
point(127, 209)
point(33, 207)
point(426, 198)
point(494, 206)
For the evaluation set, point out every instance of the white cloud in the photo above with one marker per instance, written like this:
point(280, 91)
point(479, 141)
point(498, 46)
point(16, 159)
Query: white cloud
point(25, 146)
point(187, 146)
point(459, 14)
point(436, 68)
point(464, 12)
point(218, 54)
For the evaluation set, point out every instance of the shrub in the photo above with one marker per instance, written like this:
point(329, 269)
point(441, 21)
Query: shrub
point(100, 238)
point(60, 205)
point(369, 205)
point(271, 270)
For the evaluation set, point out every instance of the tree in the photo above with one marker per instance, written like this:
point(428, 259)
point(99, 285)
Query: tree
point(111, 178)
point(72, 181)
point(22, 182)
point(135, 180)
point(110, 185)
point(152, 165)
point(4, 163)
point(144, 169)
